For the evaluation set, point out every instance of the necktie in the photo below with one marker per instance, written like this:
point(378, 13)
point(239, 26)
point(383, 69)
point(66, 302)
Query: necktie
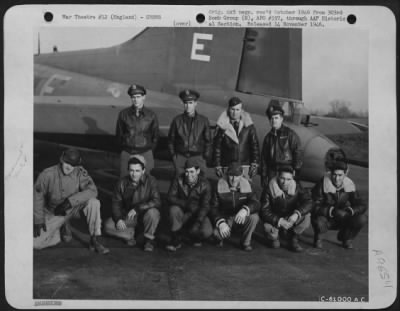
point(236, 127)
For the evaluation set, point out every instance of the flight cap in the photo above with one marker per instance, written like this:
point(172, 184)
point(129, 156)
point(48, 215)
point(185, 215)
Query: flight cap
point(140, 158)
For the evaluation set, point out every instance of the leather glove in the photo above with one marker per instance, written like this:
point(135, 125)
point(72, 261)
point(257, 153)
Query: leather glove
point(241, 216)
point(340, 214)
point(224, 230)
point(219, 172)
point(61, 209)
point(36, 229)
point(253, 170)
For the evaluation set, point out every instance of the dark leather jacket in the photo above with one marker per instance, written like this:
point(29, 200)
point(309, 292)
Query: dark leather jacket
point(137, 134)
point(274, 207)
point(190, 141)
point(225, 202)
point(280, 147)
point(324, 196)
point(230, 147)
point(195, 200)
point(126, 197)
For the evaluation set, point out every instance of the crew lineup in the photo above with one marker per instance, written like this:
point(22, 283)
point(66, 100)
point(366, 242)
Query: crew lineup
point(197, 210)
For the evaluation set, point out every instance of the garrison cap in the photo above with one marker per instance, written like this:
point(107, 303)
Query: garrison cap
point(285, 168)
point(234, 169)
point(234, 101)
point(274, 108)
point(339, 164)
point(135, 89)
point(71, 156)
point(192, 162)
point(138, 157)
point(188, 95)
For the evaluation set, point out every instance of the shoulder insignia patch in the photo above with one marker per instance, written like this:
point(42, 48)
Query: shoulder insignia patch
point(83, 171)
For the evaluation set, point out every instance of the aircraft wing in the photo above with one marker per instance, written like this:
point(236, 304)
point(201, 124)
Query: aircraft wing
point(72, 103)
point(81, 110)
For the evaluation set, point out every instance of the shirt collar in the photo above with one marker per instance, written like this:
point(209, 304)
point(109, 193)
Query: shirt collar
point(188, 116)
point(141, 111)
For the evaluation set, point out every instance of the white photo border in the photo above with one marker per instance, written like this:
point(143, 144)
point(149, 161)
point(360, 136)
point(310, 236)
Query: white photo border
point(21, 21)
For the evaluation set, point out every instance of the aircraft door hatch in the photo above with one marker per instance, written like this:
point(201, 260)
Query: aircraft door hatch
point(272, 63)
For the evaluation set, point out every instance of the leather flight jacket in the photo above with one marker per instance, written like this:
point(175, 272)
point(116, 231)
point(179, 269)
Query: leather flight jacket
point(189, 140)
point(281, 147)
point(137, 134)
point(225, 202)
point(193, 200)
point(142, 197)
point(340, 199)
point(229, 146)
point(275, 207)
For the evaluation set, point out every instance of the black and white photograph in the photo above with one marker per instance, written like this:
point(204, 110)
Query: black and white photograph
point(213, 165)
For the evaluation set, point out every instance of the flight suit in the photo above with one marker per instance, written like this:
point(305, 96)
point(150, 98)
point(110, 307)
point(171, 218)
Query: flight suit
point(52, 187)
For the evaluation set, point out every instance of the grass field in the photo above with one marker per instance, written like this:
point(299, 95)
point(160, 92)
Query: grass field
point(354, 145)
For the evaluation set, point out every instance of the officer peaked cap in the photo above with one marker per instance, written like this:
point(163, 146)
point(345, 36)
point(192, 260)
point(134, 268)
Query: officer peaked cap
point(135, 89)
point(274, 108)
point(188, 95)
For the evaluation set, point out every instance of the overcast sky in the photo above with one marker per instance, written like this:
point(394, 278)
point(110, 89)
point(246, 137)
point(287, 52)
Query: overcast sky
point(335, 61)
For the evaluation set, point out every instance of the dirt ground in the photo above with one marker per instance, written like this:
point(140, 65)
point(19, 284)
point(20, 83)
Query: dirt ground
point(209, 273)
